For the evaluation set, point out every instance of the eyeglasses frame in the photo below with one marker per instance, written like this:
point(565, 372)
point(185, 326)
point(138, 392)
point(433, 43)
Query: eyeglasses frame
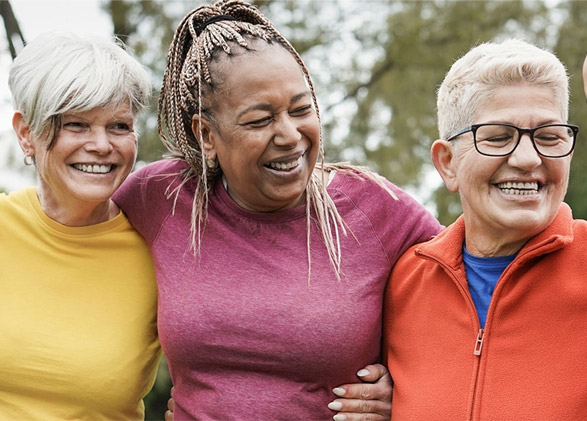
point(474, 127)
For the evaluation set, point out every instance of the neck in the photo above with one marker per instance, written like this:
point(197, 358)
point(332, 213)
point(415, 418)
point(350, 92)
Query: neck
point(484, 246)
point(76, 214)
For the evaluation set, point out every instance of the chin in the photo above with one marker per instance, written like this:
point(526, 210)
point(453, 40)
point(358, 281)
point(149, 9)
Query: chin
point(95, 196)
point(529, 223)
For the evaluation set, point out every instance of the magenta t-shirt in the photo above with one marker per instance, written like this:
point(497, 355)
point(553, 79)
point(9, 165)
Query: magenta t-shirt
point(245, 334)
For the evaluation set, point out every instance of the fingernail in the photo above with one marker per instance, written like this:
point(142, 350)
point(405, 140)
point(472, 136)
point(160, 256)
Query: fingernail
point(363, 372)
point(339, 391)
point(339, 417)
point(335, 406)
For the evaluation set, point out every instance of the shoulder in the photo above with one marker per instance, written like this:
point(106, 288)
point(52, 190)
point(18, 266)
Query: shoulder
point(579, 233)
point(146, 196)
point(379, 197)
point(158, 170)
point(151, 179)
point(16, 199)
point(395, 217)
point(359, 186)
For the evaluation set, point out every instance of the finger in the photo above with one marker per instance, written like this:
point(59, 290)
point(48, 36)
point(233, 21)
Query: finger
point(372, 372)
point(359, 417)
point(168, 416)
point(358, 406)
point(365, 391)
point(171, 404)
point(381, 389)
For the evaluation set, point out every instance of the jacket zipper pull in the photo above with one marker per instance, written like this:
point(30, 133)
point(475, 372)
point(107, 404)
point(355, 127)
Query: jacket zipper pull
point(479, 342)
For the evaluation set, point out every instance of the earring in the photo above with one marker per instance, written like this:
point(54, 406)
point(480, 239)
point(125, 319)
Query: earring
point(211, 163)
point(29, 160)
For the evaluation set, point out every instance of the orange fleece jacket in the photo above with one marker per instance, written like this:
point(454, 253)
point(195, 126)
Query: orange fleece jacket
point(530, 361)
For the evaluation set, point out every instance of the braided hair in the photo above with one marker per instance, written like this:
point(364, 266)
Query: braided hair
point(203, 32)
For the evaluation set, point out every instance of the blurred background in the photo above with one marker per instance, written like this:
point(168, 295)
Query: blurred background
point(376, 66)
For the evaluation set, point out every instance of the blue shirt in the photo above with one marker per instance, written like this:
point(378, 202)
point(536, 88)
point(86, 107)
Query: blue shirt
point(482, 276)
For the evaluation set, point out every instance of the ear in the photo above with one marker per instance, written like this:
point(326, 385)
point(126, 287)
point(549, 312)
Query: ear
point(201, 128)
point(23, 133)
point(444, 161)
point(585, 76)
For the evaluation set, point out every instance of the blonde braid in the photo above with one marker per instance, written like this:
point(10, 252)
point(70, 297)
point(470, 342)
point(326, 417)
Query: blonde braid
point(187, 73)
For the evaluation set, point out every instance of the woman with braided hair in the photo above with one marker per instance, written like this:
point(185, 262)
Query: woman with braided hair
point(270, 267)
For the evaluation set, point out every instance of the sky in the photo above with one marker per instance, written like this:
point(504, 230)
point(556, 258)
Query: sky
point(36, 17)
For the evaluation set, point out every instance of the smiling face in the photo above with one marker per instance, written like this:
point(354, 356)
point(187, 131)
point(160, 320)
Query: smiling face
point(507, 200)
point(265, 134)
point(92, 155)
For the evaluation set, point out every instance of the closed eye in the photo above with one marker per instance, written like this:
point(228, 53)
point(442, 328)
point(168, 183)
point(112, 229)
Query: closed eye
point(496, 139)
point(75, 126)
point(301, 110)
point(262, 122)
point(545, 137)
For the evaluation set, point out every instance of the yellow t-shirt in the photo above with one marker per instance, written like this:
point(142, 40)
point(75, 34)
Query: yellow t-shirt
point(78, 334)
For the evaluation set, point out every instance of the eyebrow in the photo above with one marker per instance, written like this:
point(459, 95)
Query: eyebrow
point(268, 107)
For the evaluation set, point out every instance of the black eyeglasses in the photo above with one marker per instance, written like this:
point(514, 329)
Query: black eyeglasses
point(500, 139)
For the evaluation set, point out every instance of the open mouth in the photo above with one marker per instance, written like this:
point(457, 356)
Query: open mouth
point(520, 188)
point(93, 168)
point(285, 165)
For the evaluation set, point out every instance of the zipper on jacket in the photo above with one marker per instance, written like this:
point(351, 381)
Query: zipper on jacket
point(476, 352)
point(480, 333)
point(479, 342)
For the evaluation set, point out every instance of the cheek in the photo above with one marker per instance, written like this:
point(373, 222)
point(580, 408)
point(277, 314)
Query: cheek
point(128, 147)
point(563, 182)
point(134, 147)
point(43, 163)
point(314, 130)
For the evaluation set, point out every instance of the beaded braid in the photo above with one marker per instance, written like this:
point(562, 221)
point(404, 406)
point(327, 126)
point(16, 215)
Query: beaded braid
point(203, 31)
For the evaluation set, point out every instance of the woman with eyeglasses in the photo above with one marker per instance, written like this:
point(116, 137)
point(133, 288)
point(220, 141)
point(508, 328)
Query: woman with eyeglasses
point(489, 319)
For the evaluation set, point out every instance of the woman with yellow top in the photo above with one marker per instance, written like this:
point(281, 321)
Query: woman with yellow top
point(78, 334)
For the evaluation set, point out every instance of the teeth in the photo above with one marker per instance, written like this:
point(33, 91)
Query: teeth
point(93, 169)
point(517, 187)
point(284, 166)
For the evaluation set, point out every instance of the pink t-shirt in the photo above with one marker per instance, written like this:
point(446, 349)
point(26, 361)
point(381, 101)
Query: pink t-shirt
point(245, 334)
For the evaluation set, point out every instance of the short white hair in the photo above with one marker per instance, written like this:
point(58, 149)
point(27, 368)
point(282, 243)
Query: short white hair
point(60, 72)
point(473, 79)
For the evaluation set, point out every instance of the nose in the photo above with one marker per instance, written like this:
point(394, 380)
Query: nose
point(286, 132)
point(525, 156)
point(99, 142)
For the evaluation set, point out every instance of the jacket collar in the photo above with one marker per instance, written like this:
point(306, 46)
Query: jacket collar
point(447, 246)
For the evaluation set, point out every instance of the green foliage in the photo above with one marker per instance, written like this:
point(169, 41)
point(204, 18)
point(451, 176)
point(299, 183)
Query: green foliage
point(156, 400)
point(571, 47)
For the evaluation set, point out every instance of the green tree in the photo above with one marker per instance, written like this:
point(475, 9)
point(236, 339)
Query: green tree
point(571, 47)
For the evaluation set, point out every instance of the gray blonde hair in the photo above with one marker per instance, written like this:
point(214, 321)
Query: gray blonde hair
point(203, 32)
point(60, 72)
point(473, 79)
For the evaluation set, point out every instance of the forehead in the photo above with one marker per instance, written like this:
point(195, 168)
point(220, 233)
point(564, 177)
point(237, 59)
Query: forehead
point(525, 105)
point(108, 111)
point(267, 71)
